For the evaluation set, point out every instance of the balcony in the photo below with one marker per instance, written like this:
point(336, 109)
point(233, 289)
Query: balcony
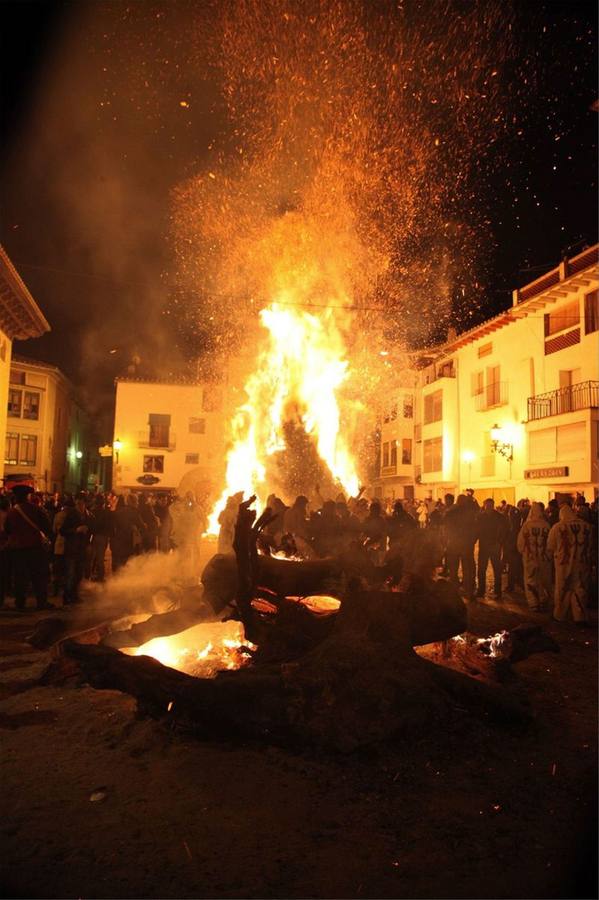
point(567, 269)
point(567, 399)
point(494, 395)
point(436, 373)
point(147, 441)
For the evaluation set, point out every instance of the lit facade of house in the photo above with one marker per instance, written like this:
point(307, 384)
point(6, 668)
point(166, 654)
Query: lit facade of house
point(47, 431)
point(398, 427)
point(510, 408)
point(168, 436)
point(20, 319)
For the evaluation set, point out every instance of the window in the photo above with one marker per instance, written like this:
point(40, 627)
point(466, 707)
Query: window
point(591, 312)
point(390, 413)
point(211, 400)
point(192, 459)
point(485, 350)
point(393, 454)
point(565, 317)
point(385, 462)
point(542, 445)
point(153, 463)
point(493, 386)
point(28, 450)
point(11, 449)
point(17, 377)
point(487, 466)
point(570, 441)
point(406, 451)
point(408, 406)
point(15, 400)
point(432, 455)
point(31, 405)
point(159, 430)
point(477, 384)
point(197, 426)
point(433, 407)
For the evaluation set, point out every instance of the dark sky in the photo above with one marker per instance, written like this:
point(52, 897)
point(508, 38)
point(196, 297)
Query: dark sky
point(87, 171)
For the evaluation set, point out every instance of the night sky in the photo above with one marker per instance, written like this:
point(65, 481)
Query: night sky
point(104, 114)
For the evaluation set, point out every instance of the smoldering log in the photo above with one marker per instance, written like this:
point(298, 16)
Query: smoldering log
point(159, 625)
point(361, 684)
point(285, 577)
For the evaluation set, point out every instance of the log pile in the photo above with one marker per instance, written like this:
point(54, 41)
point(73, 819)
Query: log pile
point(338, 681)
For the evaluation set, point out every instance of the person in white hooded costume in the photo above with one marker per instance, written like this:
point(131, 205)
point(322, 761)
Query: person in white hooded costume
point(569, 542)
point(532, 544)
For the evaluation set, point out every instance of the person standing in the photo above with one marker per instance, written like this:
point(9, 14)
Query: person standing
point(399, 524)
point(532, 544)
point(151, 523)
point(76, 531)
point(102, 529)
point(459, 528)
point(569, 543)
point(4, 553)
point(165, 528)
point(28, 530)
point(128, 531)
point(491, 529)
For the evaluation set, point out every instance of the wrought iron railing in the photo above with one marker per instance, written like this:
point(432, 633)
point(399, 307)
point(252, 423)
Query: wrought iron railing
point(148, 441)
point(494, 394)
point(567, 399)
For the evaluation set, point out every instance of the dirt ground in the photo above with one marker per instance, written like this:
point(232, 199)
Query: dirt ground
point(476, 811)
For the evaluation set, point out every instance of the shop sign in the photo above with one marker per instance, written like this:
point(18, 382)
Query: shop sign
point(549, 472)
point(148, 479)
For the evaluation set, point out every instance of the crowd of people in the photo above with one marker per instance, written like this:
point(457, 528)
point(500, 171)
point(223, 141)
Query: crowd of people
point(49, 543)
point(548, 553)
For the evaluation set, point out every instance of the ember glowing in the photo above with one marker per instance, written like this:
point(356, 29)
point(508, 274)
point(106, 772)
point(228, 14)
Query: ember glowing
point(202, 650)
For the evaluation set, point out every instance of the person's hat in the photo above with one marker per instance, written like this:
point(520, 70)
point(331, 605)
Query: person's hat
point(22, 491)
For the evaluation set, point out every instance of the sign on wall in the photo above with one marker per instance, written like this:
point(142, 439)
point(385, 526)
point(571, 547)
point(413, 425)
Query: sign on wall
point(547, 472)
point(148, 479)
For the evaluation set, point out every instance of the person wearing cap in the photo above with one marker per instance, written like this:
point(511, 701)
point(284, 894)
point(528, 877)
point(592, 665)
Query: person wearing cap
point(28, 529)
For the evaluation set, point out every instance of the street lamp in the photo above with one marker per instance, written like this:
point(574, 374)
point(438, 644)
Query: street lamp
point(500, 443)
point(116, 446)
point(468, 457)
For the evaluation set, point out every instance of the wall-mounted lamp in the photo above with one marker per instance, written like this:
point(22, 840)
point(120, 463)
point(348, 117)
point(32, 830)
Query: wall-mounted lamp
point(117, 446)
point(468, 456)
point(79, 454)
point(500, 443)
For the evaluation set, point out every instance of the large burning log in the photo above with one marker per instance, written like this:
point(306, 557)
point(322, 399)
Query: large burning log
point(361, 684)
point(285, 577)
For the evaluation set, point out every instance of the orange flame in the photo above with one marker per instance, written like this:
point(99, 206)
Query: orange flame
point(202, 650)
point(303, 364)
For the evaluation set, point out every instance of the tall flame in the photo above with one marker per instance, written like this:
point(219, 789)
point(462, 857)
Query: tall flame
point(303, 365)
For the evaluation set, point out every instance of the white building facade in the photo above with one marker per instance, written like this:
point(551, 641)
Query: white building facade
point(510, 408)
point(168, 436)
point(20, 319)
point(46, 429)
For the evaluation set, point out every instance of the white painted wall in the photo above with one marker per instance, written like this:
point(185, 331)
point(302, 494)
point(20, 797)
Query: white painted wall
point(135, 401)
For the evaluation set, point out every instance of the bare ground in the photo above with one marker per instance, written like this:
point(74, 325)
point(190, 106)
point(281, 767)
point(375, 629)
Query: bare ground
point(479, 811)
